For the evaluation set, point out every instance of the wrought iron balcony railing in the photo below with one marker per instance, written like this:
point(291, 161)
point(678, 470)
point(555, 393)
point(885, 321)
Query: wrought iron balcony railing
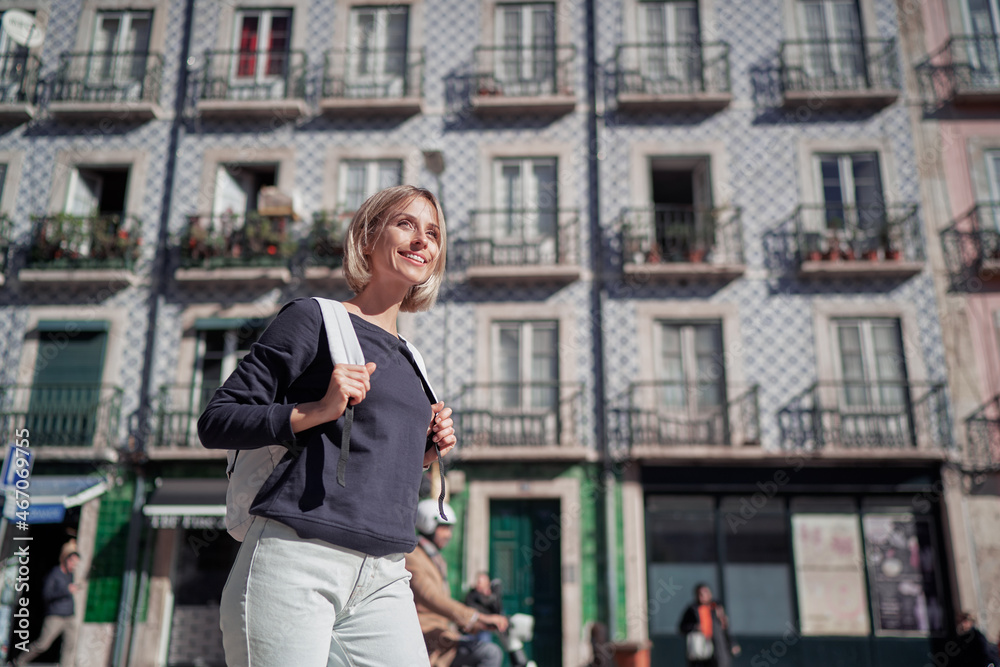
point(521, 237)
point(100, 241)
point(373, 74)
point(965, 68)
point(230, 240)
point(876, 233)
point(972, 245)
point(18, 78)
point(677, 68)
point(101, 76)
point(253, 75)
point(505, 414)
point(983, 431)
point(839, 65)
point(175, 416)
point(516, 71)
point(665, 234)
point(670, 414)
point(867, 416)
point(67, 415)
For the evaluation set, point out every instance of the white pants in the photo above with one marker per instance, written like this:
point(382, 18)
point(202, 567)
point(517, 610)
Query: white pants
point(308, 603)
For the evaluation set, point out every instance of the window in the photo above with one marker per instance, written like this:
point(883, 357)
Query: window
point(526, 365)
point(983, 24)
point(13, 69)
point(377, 61)
point(120, 51)
point(98, 196)
point(220, 347)
point(526, 53)
point(526, 200)
point(359, 179)
point(65, 405)
point(871, 362)
point(852, 191)
point(671, 39)
point(834, 55)
point(690, 391)
point(990, 217)
point(263, 42)
point(237, 187)
point(682, 207)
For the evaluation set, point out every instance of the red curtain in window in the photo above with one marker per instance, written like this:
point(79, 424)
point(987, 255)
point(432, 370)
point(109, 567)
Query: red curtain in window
point(247, 63)
point(277, 59)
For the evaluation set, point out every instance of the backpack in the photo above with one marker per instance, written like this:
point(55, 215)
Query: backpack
point(248, 469)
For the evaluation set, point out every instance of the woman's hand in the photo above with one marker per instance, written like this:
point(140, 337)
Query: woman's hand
point(441, 431)
point(349, 383)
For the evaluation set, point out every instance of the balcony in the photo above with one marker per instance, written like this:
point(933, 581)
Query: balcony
point(521, 245)
point(326, 247)
point(835, 73)
point(868, 419)
point(65, 421)
point(175, 421)
point(983, 431)
point(236, 248)
point(511, 80)
point(972, 247)
point(851, 241)
point(96, 249)
point(964, 72)
point(687, 76)
point(522, 420)
point(240, 84)
point(373, 82)
point(99, 84)
point(673, 243)
point(18, 87)
point(682, 419)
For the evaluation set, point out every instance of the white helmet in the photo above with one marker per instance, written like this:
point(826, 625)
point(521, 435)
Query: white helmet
point(428, 518)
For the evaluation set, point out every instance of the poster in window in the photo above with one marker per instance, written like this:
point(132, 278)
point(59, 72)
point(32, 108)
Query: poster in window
point(829, 575)
point(902, 577)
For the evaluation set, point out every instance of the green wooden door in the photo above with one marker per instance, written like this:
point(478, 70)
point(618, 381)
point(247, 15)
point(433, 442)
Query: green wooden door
point(525, 556)
point(66, 391)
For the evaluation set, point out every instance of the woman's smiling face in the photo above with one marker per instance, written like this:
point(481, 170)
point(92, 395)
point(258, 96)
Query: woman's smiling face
point(409, 245)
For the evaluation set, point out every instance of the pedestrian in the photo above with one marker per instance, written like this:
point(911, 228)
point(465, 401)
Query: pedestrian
point(319, 579)
point(975, 650)
point(57, 593)
point(705, 627)
point(450, 628)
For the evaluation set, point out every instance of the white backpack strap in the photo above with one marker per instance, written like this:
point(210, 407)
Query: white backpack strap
point(420, 366)
point(340, 334)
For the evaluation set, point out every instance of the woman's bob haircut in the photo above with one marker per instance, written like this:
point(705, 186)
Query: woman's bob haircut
point(368, 224)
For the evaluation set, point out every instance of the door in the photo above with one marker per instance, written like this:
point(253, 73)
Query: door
point(691, 392)
point(525, 61)
point(854, 207)
point(525, 556)
point(65, 402)
point(376, 62)
point(834, 53)
point(671, 50)
point(983, 25)
point(524, 226)
point(117, 65)
point(526, 400)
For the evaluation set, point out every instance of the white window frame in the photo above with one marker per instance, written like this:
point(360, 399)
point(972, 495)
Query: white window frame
point(75, 182)
point(262, 54)
point(526, 354)
point(531, 226)
point(121, 70)
point(372, 171)
point(689, 406)
point(282, 158)
point(663, 58)
point(993, 173)
point(525, 60)
point(870, 381)
point(229, 354)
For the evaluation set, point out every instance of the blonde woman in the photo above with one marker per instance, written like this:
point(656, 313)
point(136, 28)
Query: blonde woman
point(320, 579)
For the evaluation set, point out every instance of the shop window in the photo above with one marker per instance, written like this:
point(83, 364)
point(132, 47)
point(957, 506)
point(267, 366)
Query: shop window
point(758, 569)
point(681, 540)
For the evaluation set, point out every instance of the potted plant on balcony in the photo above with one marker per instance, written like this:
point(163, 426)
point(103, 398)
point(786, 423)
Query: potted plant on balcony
point(696, 254)
point(832, 252)
point(889, 246)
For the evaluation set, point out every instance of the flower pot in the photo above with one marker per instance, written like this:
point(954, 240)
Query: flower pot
point(696, 255)
point(815, 255)
point(848, 254)
point(871, 255)
point(892, 254)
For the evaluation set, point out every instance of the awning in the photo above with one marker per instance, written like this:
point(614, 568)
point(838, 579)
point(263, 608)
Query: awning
point(188, 503)
point(49, 496)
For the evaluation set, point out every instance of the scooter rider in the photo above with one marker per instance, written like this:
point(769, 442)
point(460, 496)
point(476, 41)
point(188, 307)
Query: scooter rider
point(446, 622)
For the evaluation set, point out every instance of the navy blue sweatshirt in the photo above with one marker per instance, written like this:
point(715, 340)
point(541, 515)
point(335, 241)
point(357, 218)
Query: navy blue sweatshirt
point(55, 592)
point(291, 364)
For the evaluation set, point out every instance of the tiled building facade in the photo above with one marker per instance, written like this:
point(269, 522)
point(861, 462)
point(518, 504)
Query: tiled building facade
point(691, 327)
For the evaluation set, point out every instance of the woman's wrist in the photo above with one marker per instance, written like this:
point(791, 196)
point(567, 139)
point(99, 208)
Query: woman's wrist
point(472, 621)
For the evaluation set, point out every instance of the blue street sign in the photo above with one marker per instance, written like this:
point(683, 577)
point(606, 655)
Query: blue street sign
point(8, 474)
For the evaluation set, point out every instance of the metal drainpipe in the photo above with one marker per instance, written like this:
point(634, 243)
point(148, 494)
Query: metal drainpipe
point(596, 299)
point(160, 279)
